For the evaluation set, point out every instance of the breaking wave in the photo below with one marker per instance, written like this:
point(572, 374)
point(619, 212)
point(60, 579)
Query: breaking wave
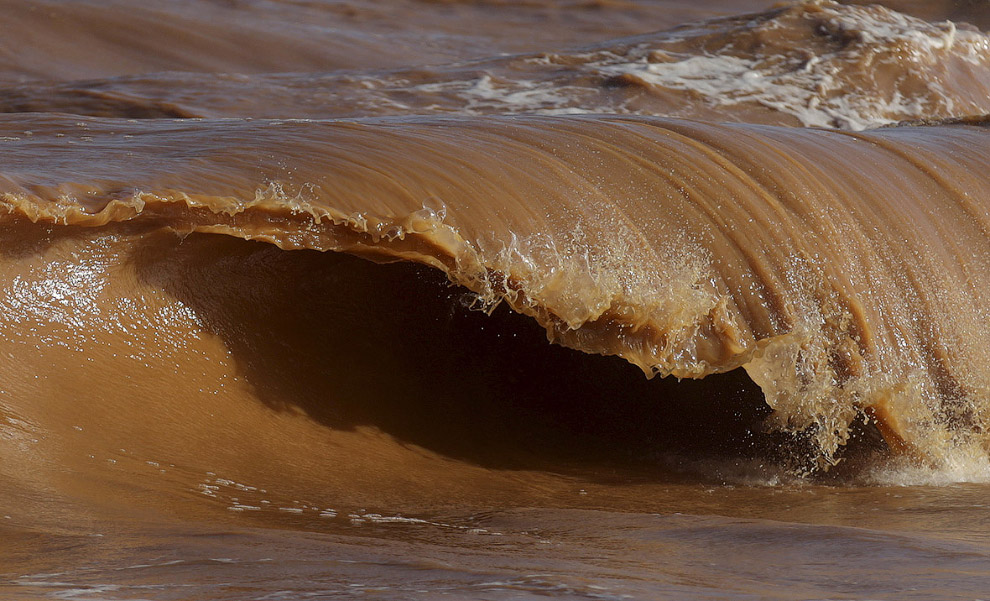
point(840, 270)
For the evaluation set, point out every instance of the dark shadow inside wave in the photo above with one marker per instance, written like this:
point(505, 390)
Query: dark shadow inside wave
point(354, 343)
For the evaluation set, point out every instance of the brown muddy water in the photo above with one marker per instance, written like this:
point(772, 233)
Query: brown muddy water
point(494, 300)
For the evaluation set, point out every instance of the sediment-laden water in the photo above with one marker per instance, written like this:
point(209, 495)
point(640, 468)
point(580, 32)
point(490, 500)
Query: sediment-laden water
point(494, 300)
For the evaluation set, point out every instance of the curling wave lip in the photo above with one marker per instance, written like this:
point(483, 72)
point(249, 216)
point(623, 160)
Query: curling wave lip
point(815, 259)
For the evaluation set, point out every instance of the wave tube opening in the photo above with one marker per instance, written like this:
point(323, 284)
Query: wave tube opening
point(352, 343)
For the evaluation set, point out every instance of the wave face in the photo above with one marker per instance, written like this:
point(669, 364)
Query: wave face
point(277, 281)
point(837, 269)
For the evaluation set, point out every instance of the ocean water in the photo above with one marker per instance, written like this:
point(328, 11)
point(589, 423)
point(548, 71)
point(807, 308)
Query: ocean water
point(494, 300)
